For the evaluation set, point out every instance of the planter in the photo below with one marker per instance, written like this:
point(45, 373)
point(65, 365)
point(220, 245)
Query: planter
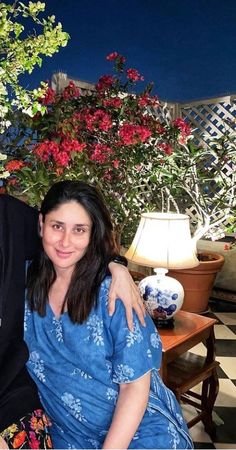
point(198, 282)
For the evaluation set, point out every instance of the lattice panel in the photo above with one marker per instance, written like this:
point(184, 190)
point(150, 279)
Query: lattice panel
point(210, 118)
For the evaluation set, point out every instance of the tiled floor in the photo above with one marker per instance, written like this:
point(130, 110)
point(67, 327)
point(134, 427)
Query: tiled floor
point(225, 406)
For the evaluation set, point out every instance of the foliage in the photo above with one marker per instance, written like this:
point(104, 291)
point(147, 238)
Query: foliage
point(21, 52)
point(129, 146)
point(3, 173)
point(202, 181)
point(110, 136)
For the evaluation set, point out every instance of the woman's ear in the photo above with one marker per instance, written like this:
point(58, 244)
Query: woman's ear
point(40, 225)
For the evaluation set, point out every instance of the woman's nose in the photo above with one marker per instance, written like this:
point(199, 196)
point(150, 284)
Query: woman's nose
point(65, 239)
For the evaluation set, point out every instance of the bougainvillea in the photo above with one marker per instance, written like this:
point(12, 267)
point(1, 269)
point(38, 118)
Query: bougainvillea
point(111, 136)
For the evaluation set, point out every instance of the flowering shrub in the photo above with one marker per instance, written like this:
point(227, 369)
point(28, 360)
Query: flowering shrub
point(110, 136)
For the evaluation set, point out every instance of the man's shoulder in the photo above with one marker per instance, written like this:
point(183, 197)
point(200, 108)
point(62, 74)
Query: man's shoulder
point(11, 203)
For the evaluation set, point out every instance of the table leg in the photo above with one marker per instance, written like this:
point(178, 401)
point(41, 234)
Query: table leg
point(210, 389)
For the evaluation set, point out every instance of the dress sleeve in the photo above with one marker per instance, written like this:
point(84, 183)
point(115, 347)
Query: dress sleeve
point(135, 353)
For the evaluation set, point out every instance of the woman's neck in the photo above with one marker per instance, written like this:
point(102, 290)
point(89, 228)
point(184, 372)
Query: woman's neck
point(58, 292)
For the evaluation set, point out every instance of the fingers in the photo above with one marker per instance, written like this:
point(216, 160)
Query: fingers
point(111, 304)
point(129, 318)
point(140, 311)
point(3, 443)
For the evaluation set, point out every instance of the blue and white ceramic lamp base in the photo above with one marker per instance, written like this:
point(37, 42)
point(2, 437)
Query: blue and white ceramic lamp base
point(163, 296)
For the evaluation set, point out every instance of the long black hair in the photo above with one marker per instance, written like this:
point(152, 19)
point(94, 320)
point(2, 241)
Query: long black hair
point(90, 269)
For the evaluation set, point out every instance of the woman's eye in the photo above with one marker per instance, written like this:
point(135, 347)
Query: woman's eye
point(56, 226)
point(79, 230)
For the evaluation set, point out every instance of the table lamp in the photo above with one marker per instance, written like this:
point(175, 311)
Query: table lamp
point(163, 241)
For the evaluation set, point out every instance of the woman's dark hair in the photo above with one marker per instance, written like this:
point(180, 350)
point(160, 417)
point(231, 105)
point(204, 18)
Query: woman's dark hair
point(91, 269)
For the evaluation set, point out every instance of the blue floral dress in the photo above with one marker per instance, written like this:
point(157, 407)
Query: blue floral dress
point(78, 369)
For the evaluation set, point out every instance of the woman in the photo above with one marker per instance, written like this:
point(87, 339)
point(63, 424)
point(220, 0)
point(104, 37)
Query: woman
point(98, 380)
point(23, 423)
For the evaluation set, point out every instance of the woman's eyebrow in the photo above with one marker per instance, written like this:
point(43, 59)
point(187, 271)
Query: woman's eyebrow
point(59, 222)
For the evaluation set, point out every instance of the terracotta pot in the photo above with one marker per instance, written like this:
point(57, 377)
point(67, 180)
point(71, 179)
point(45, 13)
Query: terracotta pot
point(198, 282)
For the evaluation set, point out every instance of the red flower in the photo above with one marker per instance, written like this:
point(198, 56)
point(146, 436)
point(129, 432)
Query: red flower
point(72, 145)
point(98, 120)
point(12, 181)
point(105, 82)
point(62, 158)
point(71, 91)
point(114, 102)
point(168, 150)
point(116, 163)
point(182, 126)
point(133, 134)
point(146, 100)
point(49, 97)
point(14, 165)
point(33, 441)
point(19, 439)
point(46, 149)
point(100, 153)
point(59, 171)
point(134, 75)
point(115, 56)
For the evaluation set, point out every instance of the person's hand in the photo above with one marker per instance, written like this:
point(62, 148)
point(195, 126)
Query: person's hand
point(123, 287)
point(3, 443)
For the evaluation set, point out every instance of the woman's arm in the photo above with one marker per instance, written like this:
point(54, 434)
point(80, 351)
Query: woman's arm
point(123, 287)
point(129, 411)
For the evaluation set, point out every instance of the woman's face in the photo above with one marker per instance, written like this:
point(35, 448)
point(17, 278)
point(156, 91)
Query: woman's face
point(65, 235)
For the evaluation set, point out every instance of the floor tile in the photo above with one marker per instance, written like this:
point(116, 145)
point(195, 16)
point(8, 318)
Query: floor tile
point(226, 433)
point(223, 332)
point(197, 432)
point(203, 445)
point(199, 349)
point(221, 373)
point(221, 305)
point(228, 365)
point(219, 445)
point(232, 328)
point(228, 318)
point(227, 395)
point(226, 347)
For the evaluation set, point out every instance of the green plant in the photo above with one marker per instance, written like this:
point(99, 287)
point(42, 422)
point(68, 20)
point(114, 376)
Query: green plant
point(110, 136)
point(202, 181)
point(21, 52)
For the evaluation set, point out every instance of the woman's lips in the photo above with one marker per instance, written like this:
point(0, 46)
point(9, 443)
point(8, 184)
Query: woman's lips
point(62, 254)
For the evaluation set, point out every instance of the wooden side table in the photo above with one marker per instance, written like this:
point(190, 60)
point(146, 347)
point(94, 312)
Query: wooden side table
point(182, 370)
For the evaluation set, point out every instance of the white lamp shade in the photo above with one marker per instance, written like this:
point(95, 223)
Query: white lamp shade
point(163, 240)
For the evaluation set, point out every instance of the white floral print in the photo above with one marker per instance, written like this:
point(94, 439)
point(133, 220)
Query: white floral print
point(155, 340)
point(37, 366)
point(95, 327)
point(112, 395)
point(57, 329)
point(80, 372)
point(26, 317)
point(134, 336)
point(123, 374)
point(74, 405)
